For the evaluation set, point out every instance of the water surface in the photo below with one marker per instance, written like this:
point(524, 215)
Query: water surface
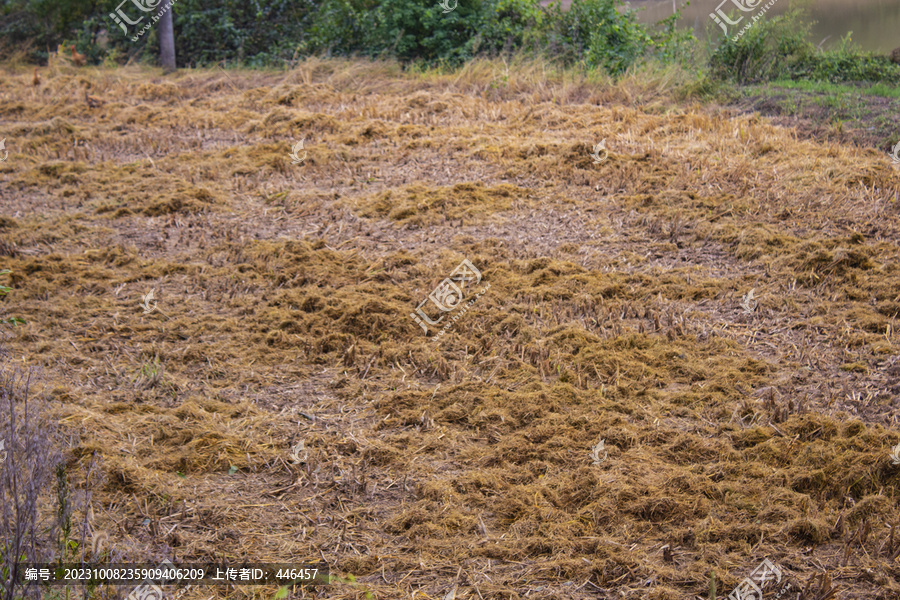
point(875, 23)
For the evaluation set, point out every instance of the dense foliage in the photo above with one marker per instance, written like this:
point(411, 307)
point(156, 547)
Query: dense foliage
point(779, 49)
point(596, 33)
point(592, 33)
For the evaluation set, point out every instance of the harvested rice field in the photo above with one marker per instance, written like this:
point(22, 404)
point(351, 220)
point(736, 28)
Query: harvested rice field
point(711, 296)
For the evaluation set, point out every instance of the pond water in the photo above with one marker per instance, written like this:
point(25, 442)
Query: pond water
point(875, 23)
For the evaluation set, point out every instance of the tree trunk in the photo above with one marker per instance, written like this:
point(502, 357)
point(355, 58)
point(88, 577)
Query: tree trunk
point(167, 40)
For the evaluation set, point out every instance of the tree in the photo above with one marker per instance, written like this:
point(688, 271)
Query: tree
point(167, 40)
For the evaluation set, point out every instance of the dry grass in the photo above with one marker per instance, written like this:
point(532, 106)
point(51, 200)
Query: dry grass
point(733, 431)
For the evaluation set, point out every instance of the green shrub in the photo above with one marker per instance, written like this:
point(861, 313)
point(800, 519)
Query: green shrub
point(43, 24)
point(771, 49)
point(602, 33)
point(507, 26)
point(673, 45)
point(253, 33)
point(615, 40)
point(596, 33)
point(3, 291)
point(420, 30)
point(779, 49)
point(336, 27)
point(848, 63)
point(593, 33)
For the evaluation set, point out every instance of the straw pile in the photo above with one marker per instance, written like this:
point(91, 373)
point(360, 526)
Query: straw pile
point(716, 300)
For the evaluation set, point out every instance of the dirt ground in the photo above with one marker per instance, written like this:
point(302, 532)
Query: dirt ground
point(712, 296)
point(846, 117)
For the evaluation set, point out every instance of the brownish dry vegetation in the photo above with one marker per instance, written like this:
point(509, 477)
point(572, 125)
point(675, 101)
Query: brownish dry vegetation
point(737, 426)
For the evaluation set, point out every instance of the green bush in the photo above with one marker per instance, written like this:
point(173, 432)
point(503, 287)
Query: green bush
point(420, 30)
point(43, 24)
point(848, 63)
point(604, 36)
point(779, 49)
point(3, 291)
point(253, 33)
point(336, 27)
point(601, 33)
point(597, 33)
point(673, 45)
point(594, 33)
point(771, 49)
point(505, 26)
